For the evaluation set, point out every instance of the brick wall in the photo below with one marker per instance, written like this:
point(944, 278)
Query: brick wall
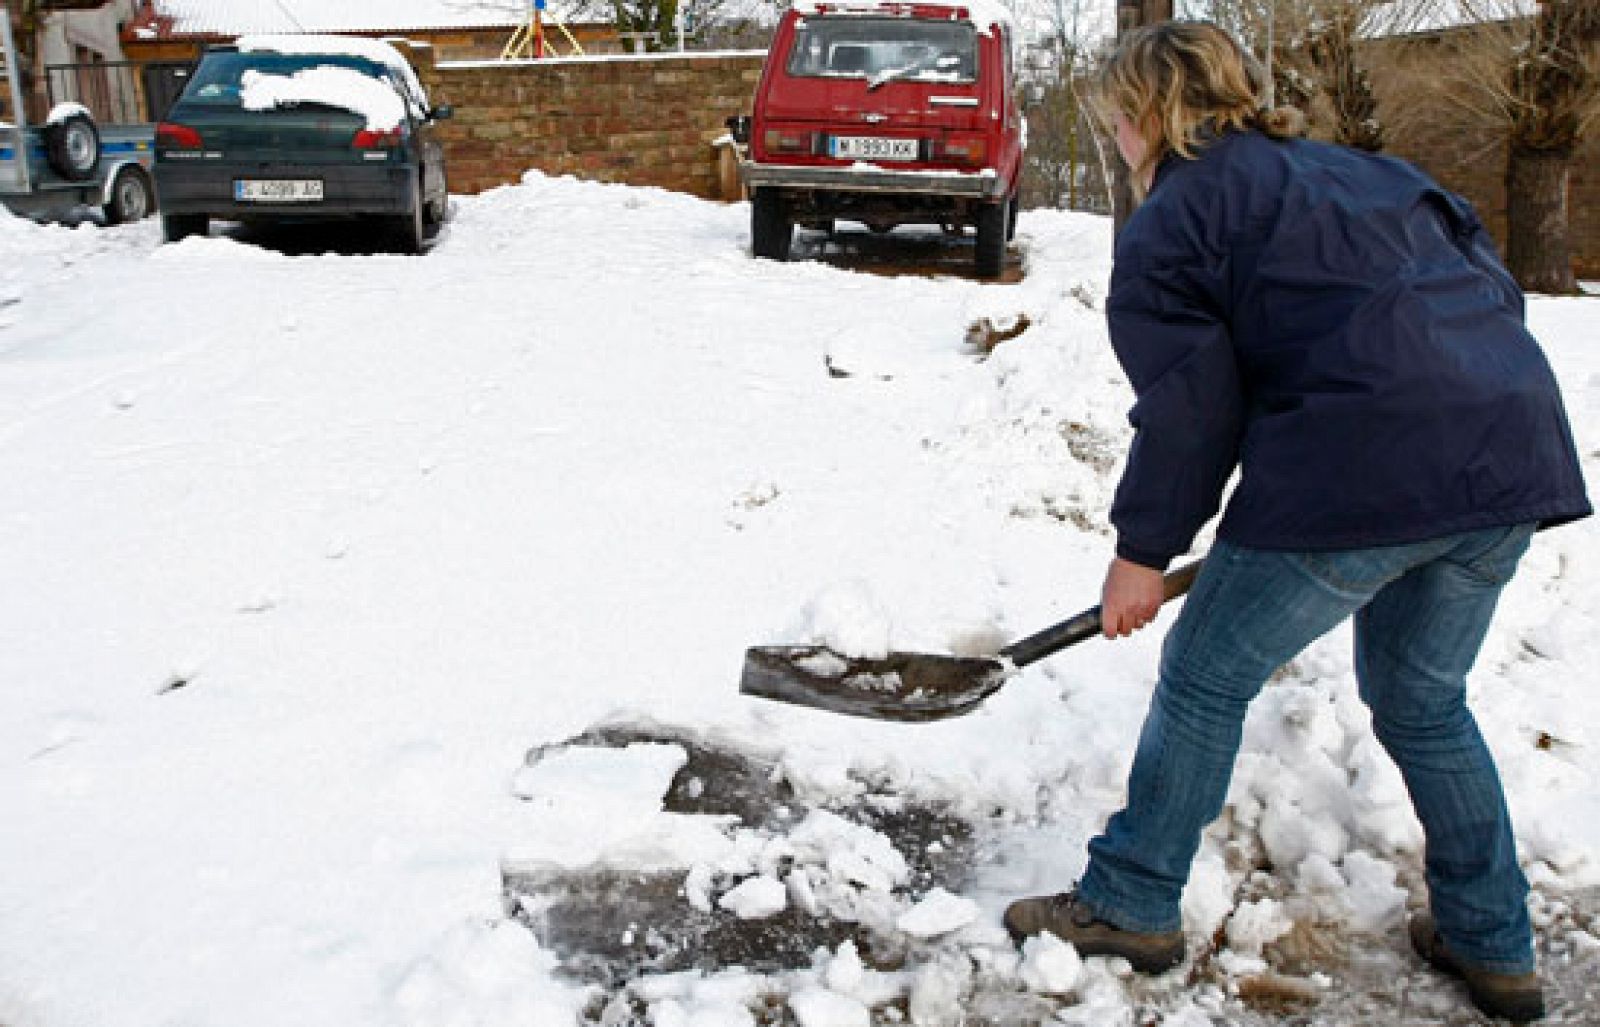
point(645, 120)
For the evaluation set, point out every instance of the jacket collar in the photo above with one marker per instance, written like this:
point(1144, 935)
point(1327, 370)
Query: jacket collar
point(1204, 136)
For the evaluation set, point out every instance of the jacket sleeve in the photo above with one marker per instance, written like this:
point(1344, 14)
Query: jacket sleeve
point(1171, 337)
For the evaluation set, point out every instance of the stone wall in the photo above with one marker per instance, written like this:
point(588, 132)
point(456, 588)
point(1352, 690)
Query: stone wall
point(645, 120)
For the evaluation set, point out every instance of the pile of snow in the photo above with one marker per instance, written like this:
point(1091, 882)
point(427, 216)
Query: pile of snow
point(308, 553)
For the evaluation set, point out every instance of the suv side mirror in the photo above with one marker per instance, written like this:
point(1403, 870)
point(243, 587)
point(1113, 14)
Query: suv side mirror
point(443, 112)
point(739, 128)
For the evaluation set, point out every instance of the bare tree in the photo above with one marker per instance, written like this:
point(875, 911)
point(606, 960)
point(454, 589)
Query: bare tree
point(1066, 164)
point(1317, 58)
point(656, 22)
point(1331, 46)
point(1555, 93)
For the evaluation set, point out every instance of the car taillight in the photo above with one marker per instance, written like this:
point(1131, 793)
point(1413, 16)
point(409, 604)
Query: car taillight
point(177, 137)
point(971, 151)
point(370, 139)
point(779, 141)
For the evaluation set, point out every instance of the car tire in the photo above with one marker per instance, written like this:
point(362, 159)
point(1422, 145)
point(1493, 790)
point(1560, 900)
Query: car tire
point(434, 212)
point(72, 147)
point(771, 231)
point(133, 197)
point(407, 230)
point(178, 227)
point(989, 255)
point(1013, 208)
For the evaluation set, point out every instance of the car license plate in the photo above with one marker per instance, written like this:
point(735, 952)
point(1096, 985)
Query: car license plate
point(874, 148)
point(277, 190)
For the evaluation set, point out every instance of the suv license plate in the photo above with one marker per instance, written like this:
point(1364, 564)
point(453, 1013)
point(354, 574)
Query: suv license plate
point(874, 148)
point(277, 190)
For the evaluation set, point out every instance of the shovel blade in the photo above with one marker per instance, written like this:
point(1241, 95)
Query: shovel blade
point(912, 687)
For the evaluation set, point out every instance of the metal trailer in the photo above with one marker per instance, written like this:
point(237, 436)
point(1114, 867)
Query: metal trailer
point(70, 162)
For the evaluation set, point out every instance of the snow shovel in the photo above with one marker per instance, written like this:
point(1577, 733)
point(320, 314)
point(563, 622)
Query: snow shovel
point(913, 687)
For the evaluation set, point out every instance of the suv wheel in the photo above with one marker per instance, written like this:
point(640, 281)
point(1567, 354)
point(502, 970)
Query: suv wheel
point(771, 231)
point(989, 256)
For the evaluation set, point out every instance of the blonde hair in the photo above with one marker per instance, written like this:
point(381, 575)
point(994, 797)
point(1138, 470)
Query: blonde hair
point(1179, 81)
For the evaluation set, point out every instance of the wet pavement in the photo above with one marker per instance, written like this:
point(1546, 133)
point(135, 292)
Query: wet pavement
point(610, 927)
point(922, 252)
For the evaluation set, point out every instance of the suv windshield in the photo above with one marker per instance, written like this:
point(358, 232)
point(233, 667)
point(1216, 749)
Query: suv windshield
point(885, 49)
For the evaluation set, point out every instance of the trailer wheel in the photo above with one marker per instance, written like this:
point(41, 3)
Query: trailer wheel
point(771, 231)
point(72, 146)
point(989, 255)
point(133, 198)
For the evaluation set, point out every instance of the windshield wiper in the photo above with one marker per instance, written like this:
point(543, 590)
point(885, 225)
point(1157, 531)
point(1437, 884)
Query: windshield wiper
point(894, 74)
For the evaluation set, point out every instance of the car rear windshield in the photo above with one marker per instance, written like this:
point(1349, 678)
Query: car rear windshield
point(885, 49)
point(218, 80)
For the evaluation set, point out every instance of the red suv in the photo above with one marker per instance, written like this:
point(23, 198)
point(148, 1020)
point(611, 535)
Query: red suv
point(887, 113)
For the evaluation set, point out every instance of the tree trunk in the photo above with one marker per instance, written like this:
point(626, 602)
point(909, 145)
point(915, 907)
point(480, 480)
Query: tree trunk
point(1538, 252)
point(1132, 14)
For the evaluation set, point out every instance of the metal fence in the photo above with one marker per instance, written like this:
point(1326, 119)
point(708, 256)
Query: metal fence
point(119, 92)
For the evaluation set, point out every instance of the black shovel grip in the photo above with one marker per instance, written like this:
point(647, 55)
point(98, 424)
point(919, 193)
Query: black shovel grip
point(1087, 624)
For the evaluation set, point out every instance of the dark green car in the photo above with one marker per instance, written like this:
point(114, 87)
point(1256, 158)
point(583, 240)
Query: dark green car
point(302, 127)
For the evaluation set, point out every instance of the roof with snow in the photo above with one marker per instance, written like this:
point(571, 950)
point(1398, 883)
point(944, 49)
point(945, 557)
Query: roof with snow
point(228, 18)
point(1406, 17)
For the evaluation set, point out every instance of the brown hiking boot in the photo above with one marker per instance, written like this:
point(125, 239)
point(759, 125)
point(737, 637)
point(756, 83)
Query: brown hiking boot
point(1516, 997)
point(1062, 916)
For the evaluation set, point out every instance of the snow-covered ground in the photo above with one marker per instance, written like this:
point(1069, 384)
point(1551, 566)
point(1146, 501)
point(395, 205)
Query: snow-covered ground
point(305, 554)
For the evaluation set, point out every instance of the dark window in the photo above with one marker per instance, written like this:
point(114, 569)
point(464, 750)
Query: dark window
point(885, 48)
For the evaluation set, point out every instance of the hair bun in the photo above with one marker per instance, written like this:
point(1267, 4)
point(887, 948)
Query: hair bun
point(1283, 122)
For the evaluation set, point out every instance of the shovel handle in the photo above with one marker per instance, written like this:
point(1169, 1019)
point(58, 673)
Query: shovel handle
point(1087, 624)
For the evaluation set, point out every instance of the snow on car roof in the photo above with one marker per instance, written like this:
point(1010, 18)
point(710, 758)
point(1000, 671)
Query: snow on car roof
point(983, 13)
point(317, 45)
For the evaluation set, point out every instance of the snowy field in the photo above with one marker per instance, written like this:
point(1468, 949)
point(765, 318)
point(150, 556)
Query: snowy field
point(314, 563)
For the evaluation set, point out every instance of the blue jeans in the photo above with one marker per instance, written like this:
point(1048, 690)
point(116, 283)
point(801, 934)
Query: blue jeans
point(1421, 612)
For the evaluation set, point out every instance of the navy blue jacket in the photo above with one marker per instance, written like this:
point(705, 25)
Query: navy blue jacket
point(1339, 328)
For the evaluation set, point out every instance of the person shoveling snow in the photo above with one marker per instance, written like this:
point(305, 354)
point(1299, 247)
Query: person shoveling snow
point(1339, 328)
